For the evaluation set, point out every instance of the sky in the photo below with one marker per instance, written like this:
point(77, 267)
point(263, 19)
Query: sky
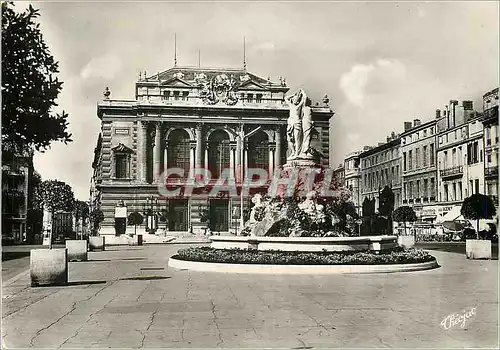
point(381, 63)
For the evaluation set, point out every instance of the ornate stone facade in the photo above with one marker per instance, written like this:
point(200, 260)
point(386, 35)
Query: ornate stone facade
point(192, 118)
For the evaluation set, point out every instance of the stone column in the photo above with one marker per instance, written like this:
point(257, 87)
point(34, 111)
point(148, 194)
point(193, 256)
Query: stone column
point(142, 128)
point(165, 156)
point(206, 157)
point(157, 153)
point(277, 153)
point(239, 161)
point(199, 146)
point(245, 160)
point(272, 150)
point(232, 148)
point(192, 157)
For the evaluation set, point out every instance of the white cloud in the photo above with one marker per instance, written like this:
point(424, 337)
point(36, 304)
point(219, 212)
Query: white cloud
point(107, 67)
point(355, 82)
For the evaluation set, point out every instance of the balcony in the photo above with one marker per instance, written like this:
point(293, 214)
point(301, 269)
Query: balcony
point(455, 171)
point(491, 172)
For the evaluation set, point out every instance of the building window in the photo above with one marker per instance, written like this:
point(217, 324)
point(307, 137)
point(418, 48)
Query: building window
point(425, 189)
point(417, 158)
point(405, 196)
point(425, 156)
point(258, 98)
point(432, 131)
point(431, 153)
point(489, 157)
point(166, 95)
point(185, 95)
point(404, 161)
point(178, 150)
point(410, 160)
point(259, 156)
point(425, 132)
point(453, 157)
point(121, 166)
point(433, 188)
point(446, 193)
point(477, 185)
point(410, 190)
point(176, 95)
point(459, 190)
point(250, 97)
point(417, 191)
point(218, 153)
point(445, 159)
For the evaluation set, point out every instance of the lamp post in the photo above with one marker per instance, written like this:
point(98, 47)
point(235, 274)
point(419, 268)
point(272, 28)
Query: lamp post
point(149, 209)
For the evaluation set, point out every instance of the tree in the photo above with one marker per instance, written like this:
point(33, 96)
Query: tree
point(344, 210)
point(35, 207)
point(476, 207)
point(96, 217)
point(56, 196)
point(386, 205)
point(135, 218)
point(404, 214)
point(29, 85)
point(81, 212)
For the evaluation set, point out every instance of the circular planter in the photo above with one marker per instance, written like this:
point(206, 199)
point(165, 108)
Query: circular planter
point(298, 269)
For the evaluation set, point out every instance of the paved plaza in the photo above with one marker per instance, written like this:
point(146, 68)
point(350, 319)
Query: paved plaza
point(127, 297)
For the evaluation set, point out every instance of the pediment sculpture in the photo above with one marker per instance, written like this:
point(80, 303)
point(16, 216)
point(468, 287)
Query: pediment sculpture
point(220, 89)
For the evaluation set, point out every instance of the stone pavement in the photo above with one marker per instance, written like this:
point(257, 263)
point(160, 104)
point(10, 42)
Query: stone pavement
point(127, 297)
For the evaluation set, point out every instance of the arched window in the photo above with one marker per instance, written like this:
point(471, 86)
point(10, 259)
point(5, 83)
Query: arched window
point(178, 150)
point(218, 153)
point(258, 151)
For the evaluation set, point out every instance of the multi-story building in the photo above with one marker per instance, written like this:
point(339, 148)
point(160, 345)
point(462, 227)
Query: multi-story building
point(352, 176)
point(339, 174)
point(490, 140)
point(189, 118)
point(419, 169)
point(17, 170)
point(380, 167)
point(459, 154)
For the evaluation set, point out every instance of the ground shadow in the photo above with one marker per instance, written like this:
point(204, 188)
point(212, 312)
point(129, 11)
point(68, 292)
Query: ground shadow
point(131, 259)
point(145, 278)
point(69, 284)
point(93, 260)
point(83, 283)
point(152, 268)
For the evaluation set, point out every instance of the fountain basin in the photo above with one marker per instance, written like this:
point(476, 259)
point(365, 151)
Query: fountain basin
point(307, 244)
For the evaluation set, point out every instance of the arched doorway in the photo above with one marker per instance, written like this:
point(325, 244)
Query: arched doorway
point(258, 151)
point(178, 151)
point(218, 153)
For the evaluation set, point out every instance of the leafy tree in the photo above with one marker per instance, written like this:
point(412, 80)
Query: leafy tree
point(29, 85)
point(96, 217)
point(57, 196)
point(476, 207)
point(81, 212)
point(35, 207)
point(386, 206)
point(404, 214)
point(135, 218)
point(345, 210)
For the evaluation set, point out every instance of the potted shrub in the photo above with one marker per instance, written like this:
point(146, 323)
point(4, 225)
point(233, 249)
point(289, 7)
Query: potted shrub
point(477, 207)
point(405, 214)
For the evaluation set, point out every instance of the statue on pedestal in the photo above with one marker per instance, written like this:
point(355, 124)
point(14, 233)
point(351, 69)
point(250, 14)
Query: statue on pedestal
point(300, 127)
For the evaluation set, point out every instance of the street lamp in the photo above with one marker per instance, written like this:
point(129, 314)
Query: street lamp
point(150, 209)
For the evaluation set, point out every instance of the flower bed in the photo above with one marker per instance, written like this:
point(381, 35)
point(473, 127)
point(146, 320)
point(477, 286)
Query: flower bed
point(245, 256)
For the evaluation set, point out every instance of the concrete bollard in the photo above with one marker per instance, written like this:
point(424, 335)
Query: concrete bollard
point(77, 250)
point(97, 243)
point(49, 267)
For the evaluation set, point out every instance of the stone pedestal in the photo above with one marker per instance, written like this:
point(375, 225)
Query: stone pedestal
point(77, 250)
point(49, 267)
point(96, 243)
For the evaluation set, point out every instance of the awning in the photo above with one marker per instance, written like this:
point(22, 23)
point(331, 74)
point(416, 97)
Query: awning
point(453, 215)
point(454, 226)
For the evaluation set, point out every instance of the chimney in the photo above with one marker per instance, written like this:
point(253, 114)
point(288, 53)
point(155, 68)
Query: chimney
point(407, 126)
point(388, 139)
point(393, 135)
point(467, 105)
point(416, 122)
point(380, 144)
point(438, 113)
